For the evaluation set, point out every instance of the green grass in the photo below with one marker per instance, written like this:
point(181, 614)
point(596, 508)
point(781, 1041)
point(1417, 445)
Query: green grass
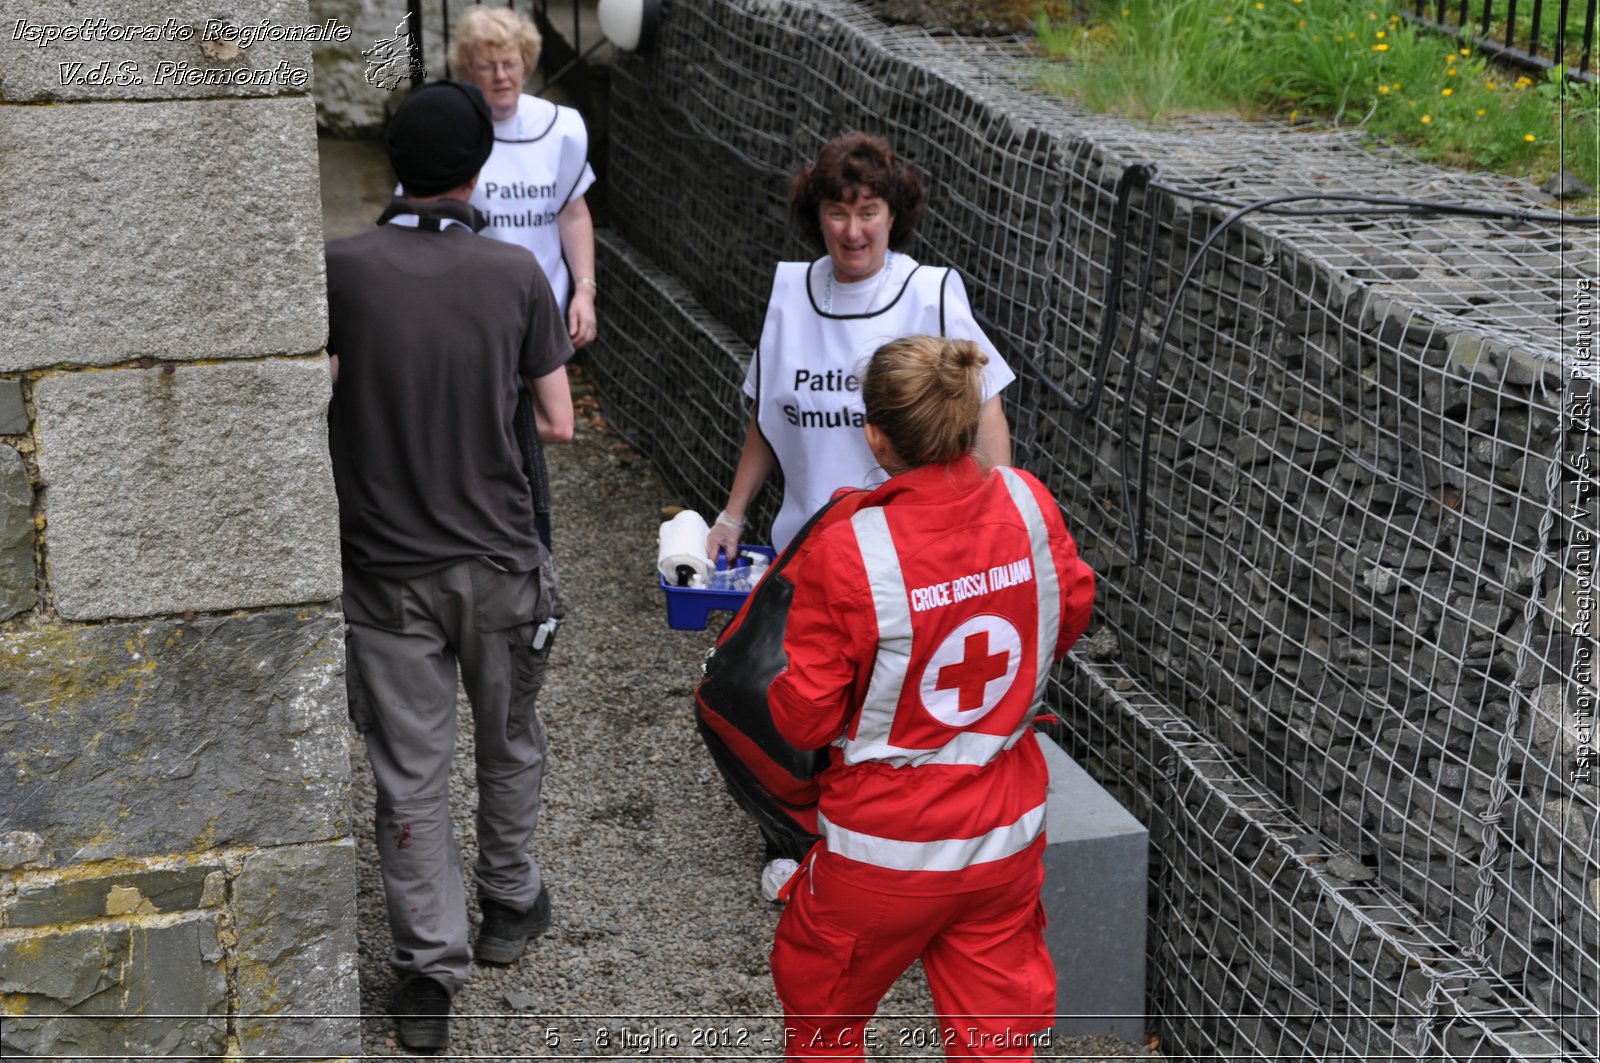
point(1340, 62)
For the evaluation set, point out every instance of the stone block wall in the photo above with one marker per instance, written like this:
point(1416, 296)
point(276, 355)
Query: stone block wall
point(176, 873)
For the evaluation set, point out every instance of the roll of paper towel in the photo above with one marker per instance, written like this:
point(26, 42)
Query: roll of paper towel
point(683, 542)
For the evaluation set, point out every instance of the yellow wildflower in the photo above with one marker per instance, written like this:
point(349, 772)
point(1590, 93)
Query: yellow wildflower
point(1489, 85)
point(1383, 90)
point(1466, 51)
point(1481, 112)
point(1260, 7)
point(1446, 92)
point(1427, 119)
point(1302, 23)
point(1450, 72)
point(1381, 35)
point(1524, 82)
point(1529, 137)
point(1380, 47)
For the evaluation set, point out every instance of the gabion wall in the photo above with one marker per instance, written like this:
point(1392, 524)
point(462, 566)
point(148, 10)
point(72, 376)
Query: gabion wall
point(1345, 670)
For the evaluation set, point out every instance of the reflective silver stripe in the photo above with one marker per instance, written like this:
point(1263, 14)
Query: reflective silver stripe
point(949, 854)
point(1046, 579)
point(890, 603)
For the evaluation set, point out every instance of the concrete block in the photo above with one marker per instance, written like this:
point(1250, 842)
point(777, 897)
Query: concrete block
point(85, 897)
point(295, 917)
point(58, 50)
point(1096, 885)
point(17, 591)
point(116, 991)
point(201, 238)
point(120, 741)
point(188, 488)
point(13, 414)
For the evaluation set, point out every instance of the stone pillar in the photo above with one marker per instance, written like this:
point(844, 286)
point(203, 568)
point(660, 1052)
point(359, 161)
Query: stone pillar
point(176, 870)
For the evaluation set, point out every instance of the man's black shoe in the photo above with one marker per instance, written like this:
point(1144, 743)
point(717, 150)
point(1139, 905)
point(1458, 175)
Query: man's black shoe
point(505, 932)
point(422, 1013)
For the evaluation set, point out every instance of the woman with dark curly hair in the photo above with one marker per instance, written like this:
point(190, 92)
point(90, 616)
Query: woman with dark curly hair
point(859, 204)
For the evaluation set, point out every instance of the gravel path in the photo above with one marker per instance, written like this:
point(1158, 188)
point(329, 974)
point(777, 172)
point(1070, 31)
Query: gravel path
point(660, 937)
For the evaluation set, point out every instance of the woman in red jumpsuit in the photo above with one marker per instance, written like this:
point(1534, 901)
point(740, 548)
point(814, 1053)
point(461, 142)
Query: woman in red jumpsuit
point(919, 642)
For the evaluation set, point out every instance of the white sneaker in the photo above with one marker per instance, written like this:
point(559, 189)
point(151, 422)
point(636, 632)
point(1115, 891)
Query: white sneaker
point(775, 874)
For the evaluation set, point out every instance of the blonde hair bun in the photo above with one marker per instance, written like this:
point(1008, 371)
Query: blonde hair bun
point(924, 393)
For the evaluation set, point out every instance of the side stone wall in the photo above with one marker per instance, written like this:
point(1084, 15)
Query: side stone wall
point(176, 872)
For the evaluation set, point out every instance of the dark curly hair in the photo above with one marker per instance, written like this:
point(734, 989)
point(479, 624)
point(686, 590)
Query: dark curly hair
point(846, 165)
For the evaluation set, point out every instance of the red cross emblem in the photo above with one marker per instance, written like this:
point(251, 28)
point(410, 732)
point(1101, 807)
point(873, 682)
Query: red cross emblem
point(973, 673)
point(971, 670)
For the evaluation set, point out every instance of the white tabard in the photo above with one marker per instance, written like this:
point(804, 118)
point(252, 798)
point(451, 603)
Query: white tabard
point(540, 163)
point(805, 377)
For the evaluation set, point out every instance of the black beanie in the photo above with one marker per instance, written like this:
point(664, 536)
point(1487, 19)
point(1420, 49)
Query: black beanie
point(439, 138)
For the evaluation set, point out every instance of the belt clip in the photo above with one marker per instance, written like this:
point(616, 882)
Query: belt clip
point(545, 633)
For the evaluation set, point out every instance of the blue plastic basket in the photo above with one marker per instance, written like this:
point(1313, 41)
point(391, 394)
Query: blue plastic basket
point(688, 608)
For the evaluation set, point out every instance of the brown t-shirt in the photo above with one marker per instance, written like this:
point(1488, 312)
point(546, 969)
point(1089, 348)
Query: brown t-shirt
point(432, 328)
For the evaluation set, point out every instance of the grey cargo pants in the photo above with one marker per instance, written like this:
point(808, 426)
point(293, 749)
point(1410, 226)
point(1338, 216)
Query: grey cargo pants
point(405, 640)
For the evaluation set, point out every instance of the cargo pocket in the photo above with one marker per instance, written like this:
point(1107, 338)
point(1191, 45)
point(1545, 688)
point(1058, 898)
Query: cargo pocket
point(527, 679)
point(528, 665)
point(812, 961)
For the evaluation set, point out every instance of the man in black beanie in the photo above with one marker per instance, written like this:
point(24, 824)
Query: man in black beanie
point(431, 328)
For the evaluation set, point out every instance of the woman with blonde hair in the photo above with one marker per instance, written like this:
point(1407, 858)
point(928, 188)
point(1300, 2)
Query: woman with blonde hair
point(532, 188)
point(919, 640)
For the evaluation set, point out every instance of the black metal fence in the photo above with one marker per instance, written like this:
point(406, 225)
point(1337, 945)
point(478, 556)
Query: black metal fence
point(1531, 34)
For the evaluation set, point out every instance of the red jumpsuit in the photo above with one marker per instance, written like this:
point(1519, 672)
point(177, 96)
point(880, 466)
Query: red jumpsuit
point(919, 641)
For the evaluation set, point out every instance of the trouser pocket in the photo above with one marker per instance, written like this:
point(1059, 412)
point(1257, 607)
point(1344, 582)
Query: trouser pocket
point(528, 667)
point(529, 663)
point(812, 960)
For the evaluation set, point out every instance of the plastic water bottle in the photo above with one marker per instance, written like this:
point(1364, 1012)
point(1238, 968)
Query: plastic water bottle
point(728, 577)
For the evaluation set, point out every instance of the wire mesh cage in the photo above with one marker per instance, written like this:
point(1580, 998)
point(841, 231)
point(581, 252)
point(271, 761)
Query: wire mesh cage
point(1333, 462)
